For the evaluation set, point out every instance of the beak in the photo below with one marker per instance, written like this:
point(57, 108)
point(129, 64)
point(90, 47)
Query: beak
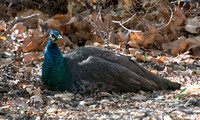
point(60, 37)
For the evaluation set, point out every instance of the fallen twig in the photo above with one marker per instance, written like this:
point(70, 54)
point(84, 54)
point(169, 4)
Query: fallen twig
point(125, 27)
point(188, 111)
point(171, 16)
point(18, 19)
point(121, 24)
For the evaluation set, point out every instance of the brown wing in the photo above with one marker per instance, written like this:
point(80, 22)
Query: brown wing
point(95, 73)
point(114, 66)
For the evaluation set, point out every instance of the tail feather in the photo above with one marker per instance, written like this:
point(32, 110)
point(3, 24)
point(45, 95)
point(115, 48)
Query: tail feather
point(162, 83)
point(168, 85)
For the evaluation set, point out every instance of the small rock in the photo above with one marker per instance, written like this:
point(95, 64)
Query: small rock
point(139, 97)
point(83, 103)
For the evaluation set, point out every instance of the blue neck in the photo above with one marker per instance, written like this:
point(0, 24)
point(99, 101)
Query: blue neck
point(54, 69)
point(52, 50)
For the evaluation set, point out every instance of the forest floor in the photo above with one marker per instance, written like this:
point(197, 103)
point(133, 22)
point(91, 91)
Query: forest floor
point(162, 36)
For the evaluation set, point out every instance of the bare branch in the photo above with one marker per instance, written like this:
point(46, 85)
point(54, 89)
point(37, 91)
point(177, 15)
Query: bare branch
point(128, 19)
point(121, 24)
point(17, 20)
point(168, 21)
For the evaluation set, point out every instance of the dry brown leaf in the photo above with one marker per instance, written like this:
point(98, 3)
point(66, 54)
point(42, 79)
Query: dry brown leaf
point(159, 40)
point(193, 42)
point(29, 12)
point(175, 47)
point(155, 72)
point(36, 99)
point(192, 25)
point(62, 18)
point(190, 61)
point(179, 17)
point(160, 61)
point(154, 31)
point(139, 97)
point(54, 24)
point(163, 58)
point(28, 57)
point(2, 25)
point(103, 27)
point(105, 94)
point(157, 60)
point(71, 20)
point(99, 40)
point(65, 96)
point(107, 20)
point(154, 60)
point(135, 39)
point(132, 51)
point(140, 56)
point(149, 40)
point(150, 69)
point(21, 84)
point(97, 20)
point(70, 7)
point(21, 102)
point(122, 37)
point(133, 36)
point(60, 22)
point(3, 38)
point(19, 28)
point(179, 49)
point(94, 17)
point(127, 8)
point(36, 92)
point(133, 44)
point(35, 42)
point(137, 52)
point(139, 38)
point(163, 11)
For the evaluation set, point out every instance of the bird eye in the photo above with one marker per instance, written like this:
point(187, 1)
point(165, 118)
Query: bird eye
point(52, 35)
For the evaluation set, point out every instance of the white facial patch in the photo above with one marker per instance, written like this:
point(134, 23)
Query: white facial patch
point(53, 37)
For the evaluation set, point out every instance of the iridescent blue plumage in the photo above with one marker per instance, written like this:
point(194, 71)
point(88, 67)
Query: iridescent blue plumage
point(54, 68)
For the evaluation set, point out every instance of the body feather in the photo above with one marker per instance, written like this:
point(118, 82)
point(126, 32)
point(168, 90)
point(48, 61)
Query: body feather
point(94, 69)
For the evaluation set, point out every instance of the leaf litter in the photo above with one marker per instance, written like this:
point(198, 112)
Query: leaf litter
point(162, 37)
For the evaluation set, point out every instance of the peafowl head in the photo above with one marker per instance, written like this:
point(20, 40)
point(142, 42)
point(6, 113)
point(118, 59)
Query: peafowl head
point(54, 36)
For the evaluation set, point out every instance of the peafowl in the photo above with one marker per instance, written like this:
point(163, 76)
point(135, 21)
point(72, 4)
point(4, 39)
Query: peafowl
point(94, 69)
